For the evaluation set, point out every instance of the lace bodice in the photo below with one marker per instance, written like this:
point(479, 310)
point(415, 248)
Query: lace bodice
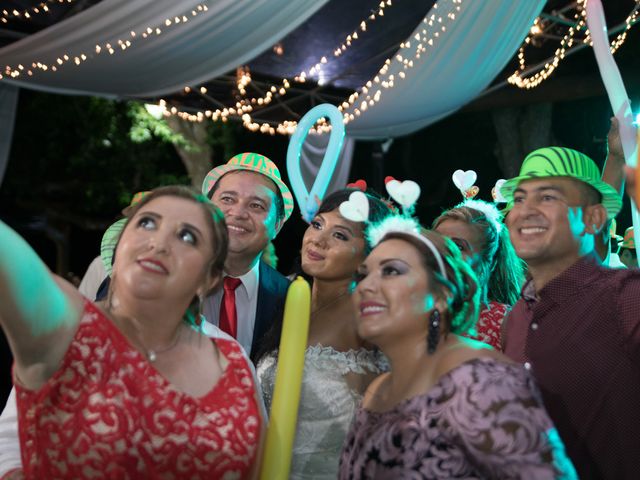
point(483, 419)
point(327, 405)
point(108, 413)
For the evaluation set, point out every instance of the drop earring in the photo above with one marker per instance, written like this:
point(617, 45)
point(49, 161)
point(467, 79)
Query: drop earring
point(433, 335)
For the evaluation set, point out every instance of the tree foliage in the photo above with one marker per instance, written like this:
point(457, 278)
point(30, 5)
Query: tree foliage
point(84, 157)
point(145, 128)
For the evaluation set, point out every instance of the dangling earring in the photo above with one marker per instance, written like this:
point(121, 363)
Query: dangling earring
point(433, 336)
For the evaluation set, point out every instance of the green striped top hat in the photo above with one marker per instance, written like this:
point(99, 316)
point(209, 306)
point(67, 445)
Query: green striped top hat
point(563, 162)
point(252, 162)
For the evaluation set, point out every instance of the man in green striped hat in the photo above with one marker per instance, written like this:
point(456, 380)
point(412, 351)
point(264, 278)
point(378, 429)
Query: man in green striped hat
point(255, 202)
point(576, 326)
point(574, 185)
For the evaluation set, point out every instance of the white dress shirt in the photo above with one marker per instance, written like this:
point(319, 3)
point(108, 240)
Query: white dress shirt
point(246, 304)
point(92, 279)
point(9, 442)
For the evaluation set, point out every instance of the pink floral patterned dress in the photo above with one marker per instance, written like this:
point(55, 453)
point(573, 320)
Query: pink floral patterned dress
point(483, 419)
point(107, 413)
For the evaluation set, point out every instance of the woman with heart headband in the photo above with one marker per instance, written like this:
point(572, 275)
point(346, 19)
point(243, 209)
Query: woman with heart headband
point(476, 227)
point(131, 387)
point(338, 366)
point(450, 407)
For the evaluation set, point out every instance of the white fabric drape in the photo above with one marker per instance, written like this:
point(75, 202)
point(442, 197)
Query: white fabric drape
point(8, 104)
point(311, 156)
point(463, 61)
point(229, 34)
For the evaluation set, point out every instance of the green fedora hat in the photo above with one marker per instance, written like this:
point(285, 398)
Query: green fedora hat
point(563, 162)
point(252, 162)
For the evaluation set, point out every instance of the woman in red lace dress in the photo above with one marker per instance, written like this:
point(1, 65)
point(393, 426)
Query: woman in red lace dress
point(131, 388)
point(477, 229)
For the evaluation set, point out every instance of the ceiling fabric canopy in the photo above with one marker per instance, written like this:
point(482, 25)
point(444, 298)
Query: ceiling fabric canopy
point(209, 44)
point(463, 60)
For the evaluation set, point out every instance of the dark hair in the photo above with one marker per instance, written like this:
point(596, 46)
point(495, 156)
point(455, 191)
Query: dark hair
point(460, 288)
point(217, 227)
point(590, 195)
point(279, 202)
point(378, 209)
point(500, 271)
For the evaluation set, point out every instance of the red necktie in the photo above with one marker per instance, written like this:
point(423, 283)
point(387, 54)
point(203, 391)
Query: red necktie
point(228, 316)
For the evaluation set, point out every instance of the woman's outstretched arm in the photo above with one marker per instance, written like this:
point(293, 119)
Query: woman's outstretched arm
point(38, 314)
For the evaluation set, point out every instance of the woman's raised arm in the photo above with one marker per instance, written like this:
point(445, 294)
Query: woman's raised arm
point(38, 313)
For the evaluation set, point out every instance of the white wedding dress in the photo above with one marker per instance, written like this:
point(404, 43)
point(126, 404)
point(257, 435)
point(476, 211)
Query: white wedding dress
point(327, 405)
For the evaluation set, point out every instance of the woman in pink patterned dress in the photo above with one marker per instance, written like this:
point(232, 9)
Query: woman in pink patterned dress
point(131, 388)
point(450, 407)
point(477, 229)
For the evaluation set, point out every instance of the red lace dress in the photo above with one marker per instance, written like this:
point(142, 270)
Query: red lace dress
point(489, 323)
point(107, 413)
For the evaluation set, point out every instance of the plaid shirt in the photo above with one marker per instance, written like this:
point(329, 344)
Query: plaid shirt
point(580, 336)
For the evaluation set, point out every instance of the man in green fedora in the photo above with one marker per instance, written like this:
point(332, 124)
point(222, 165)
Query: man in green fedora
point(577, 324)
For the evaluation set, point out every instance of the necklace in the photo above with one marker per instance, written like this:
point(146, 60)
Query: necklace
point(150, 353)
point(329, 303)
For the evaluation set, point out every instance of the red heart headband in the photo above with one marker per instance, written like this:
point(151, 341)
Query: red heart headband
point(358, 184)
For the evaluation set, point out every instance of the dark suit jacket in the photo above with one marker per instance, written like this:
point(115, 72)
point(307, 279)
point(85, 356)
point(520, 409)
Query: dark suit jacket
point(272, 290)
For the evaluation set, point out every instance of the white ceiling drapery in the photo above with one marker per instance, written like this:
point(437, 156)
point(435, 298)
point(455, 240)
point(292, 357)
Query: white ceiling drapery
point(228, 34)
point(8, 104)
point(464, 60)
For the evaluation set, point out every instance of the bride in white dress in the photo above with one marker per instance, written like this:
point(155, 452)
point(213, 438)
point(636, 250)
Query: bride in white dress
point(338, 366)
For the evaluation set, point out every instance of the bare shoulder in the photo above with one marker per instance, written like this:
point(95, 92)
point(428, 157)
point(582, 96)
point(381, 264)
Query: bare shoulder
point(373, 390)
point(466, 350)
point(38, 358)
point(70, 291)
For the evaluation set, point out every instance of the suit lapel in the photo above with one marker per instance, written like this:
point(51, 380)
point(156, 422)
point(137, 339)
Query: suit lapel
point(272, 289)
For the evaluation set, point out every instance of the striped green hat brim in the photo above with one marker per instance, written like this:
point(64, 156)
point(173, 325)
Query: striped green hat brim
point(109, 242)
point(563, 162)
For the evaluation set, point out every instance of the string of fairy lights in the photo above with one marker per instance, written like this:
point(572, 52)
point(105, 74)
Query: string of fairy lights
point(434, 25)
point(29, 13)
point(119, 45)
point(244, 106)
point(519, 77)
point(348, 42)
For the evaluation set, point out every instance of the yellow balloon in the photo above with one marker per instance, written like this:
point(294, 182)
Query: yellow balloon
point(286, 393)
